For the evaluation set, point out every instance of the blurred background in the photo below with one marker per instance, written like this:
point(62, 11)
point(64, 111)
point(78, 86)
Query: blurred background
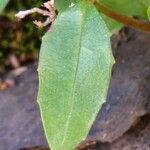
point(20, 123)
point(124, 120)
point(20, 40)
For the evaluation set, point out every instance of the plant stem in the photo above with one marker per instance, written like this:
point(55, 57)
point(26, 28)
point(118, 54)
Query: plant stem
point(129, 21)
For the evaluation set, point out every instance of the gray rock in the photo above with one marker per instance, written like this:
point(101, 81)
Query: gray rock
point(20, 123)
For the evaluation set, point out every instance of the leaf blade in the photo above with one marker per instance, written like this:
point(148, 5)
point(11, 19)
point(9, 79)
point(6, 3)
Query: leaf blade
point(148, 12)
point(3, 3)
point(127, 7)
point(69, 62)
point(63, 4)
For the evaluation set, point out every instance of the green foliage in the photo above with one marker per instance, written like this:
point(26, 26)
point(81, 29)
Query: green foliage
point(3, 3)
point(75, 62)
point(148, 13)
point(23, 38)
point(112, 25)
point(128, 7)
point(74, 71)
point(145, 2)
point(61, 5)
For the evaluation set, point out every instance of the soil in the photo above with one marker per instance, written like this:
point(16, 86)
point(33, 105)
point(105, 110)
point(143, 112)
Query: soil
point(123, 122)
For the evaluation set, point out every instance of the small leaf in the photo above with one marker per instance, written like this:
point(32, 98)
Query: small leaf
point(128, 7)
point(145, 2)
point(112, 25)
point(74, 73)
point(3, 3)
point(148, 13)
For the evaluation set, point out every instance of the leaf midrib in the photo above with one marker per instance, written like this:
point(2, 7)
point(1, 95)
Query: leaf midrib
point(76, 74)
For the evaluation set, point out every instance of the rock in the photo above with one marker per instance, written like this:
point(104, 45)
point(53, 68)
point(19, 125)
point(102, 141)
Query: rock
point(137, 138)
point(20, 123)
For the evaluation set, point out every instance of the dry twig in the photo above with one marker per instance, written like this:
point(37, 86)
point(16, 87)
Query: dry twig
point(50, 12)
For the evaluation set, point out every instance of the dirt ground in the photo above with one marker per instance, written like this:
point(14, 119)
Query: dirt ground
point(124, 120)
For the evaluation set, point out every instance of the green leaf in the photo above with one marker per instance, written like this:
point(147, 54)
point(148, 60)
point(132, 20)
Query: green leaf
point(61, 5)
point(3, 3)
point(112, 25)
point(128, 7)
point(74, 73)
point(148, 13)
point(145, 2)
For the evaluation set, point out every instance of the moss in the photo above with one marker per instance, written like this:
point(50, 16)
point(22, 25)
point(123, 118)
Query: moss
point(21, 38)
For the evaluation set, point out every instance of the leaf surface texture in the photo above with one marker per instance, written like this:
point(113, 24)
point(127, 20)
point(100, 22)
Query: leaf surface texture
point(74, 72)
